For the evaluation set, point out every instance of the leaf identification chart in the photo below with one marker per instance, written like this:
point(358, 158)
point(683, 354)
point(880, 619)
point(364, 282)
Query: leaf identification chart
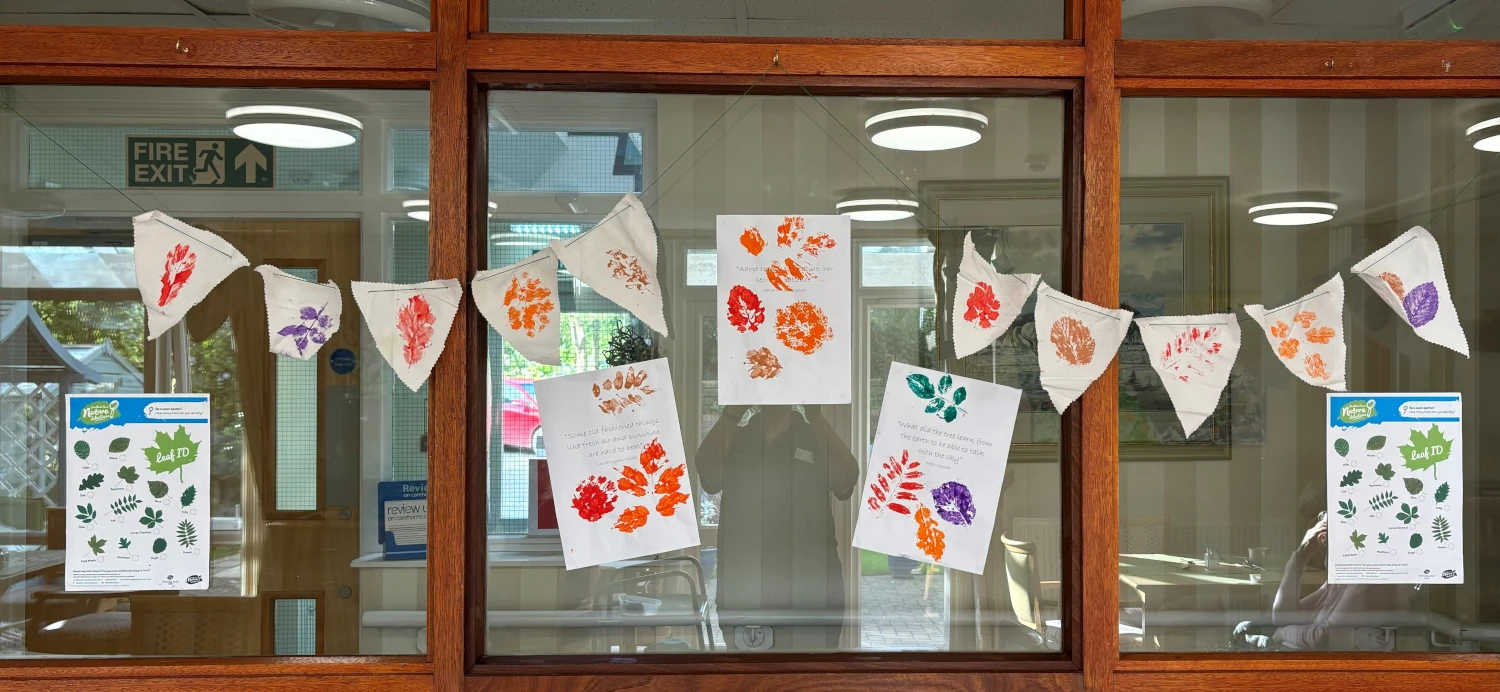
point(1395, 489)
point(936, 468)
point(138, 479)
point(618, 470)
point(784, 310)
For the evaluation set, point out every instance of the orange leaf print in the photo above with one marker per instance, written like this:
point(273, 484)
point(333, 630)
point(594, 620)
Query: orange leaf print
point(795, 270)
point(1280, 330)
point(527, 304)
point(1315, 367)
point(802, 327)
point(1321, 335)
point(1305, 318)
point(818, 243)
point(632, 481)
point(1288, 348)
point(1395, 283)
point(670, 480)
point(1073, 341)
point(667, 505)
point(627, 268)
point(777, 276)
point(752, 241)
point(632, 519)
point(764, 364)
point(653, 453)
point(929, 536)
point(789, 231)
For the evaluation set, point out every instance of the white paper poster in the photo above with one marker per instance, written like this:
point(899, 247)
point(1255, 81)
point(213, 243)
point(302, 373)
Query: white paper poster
point(1307, 334)
point(617, 258)
point(520, 301)
point(409, 323)
point(1408, 275)
point(137, 492)
point(986, 302)
point(1395, 489)
point(936, 468)
point(619, 473)
point(301, 315)
point(1193, 356)
point(176, 265)
point(784, 310)
point(1076, 340)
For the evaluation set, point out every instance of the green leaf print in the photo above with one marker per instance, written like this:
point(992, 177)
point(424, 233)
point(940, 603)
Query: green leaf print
point(1385, 471)
point(1346, 509)
point(1382, 500)
point(188, 495)
point(124, 544)
point(172, 452)
point(159, 546)
point(119, 444)
point(935, 405)
point(1383, 538)
point(944, 383)
point(1375, 443)
point(128, 474)
point(81, 449)
point(949, 414)
point(158, 489)
point(1441, 532)
point(86, 513)
point(1441, 494)
point(96, 544)
point(959, 395)
point(152, 518)
point(91, 481)
point(1416, 541)
point(1408, 513)
point(1358, 539)
point(1341, 446)
point(1413, 486)
point(187, 534)
point(1426, 450)
point(1351, 478)
point(920, 385)
point(125, 505)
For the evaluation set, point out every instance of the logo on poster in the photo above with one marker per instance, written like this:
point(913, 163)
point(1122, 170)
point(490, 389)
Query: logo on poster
point(1357, 411)
point(99, 412)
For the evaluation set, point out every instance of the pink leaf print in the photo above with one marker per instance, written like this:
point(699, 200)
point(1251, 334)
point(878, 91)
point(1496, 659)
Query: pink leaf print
point(1186, 356)
point(903, 474)
point(180, 263)
point(414, 322)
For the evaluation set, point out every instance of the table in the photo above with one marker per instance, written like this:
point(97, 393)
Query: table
point(1191, 608)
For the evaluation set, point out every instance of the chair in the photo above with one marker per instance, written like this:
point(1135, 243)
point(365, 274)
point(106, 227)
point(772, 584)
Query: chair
point(674, 608)
point(1025, 588)
point(1144, 535)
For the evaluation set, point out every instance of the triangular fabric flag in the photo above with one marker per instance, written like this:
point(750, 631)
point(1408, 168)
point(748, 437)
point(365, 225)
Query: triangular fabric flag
point(1076, 340)
point(1307, 334)
point(1193, 355)
point(176, 265)
point(986, 302)
point(520, 301)
point(409, 323)
point(1408, 275)
point(301, 315)
point(617, 258)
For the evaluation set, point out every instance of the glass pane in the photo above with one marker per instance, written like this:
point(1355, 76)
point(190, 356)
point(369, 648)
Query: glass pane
point(776, 576)
point(784, 18)
point(1313, 20)
point(296, 451)
point(1252, 483)
point(304, 15)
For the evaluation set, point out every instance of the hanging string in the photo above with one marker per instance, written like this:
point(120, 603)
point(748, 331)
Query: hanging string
point(64, 150)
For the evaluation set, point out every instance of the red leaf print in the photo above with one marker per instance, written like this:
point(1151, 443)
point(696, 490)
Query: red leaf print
point(414, 322)
point(594, 498)
point(891, 473)
point(984, 308)
point(1187, 354)
point(180, 262)
point(898, 508)
point(745, 311)
point(653, 453)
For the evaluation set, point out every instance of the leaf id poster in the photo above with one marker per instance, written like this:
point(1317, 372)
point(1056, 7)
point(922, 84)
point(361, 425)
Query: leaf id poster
point(137, 492)
point(936, 468)
point(784, 310)
point(619, 473)
point(1395, 489)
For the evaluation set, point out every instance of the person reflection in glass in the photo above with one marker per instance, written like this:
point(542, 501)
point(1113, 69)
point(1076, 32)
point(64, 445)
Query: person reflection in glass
point(778, 555)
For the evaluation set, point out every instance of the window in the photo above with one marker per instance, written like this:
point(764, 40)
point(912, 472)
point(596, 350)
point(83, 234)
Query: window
point(768, 568)
point(1252, 484)
point(1314, 20)
point(302, 15)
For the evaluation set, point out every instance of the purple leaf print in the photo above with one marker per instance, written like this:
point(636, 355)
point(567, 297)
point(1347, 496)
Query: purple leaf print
point(293, 330)
point(309, 314)
point(1421, 304)
point(954, 503)
point(304, 333)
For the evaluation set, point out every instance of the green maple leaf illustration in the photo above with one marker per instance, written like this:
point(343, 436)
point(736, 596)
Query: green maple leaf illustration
point(1358, 539)
point(1341, 446)
point(1385, 471)
point(1383, 538)
point(96, 545)
point(124, 544)
point(1346, 509)
point(1408, 513)
point(1426, 451)
point(1441, 532)
point(1351, 478)
point(91, 481)
point(128, 474)
point(171, 452)
point(158, 489)
point(1441, 494)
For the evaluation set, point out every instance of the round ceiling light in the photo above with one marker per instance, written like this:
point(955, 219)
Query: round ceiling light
point(344, 15)
point(292, 127)
point(877, 205)
point(1293, 213)
point(419, 209)
point(926, 129)
point(1485, 135)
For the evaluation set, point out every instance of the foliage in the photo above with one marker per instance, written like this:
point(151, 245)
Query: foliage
point(125, 505)
point(1375, 443)
point(124, 543)
point(96, 544)
point(1408, 513)
point(172, 452)
point(189, 495)
point(1416, 541)
point(1341, 446)
point(628, 345)
point(1385, 471)
point(896, 484)
point(86, 513)
point(128, 474)
point(1426, 450)
point(1441, 494)
point(158, 489)
point(1441, 532)
point(81, 449)
point(159, 546)
point(91, 481)
point(1346, 509)
point(1413, 486)
point(1358, 539)
point(120, 323)
point(1383, 538)
point(921, 386)
point(1382, 500)
point(151, 518)
point(187, 534)
point(1351, 478)
point(119, 444)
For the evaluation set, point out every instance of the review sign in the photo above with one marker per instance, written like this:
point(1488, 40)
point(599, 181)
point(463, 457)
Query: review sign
point(195, 162)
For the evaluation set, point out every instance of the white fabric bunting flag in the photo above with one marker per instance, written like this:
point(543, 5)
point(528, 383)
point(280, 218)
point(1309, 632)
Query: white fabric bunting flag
point(1193, 355)
point(301, 315)
point(1076, 340)
point(176, 265)
point(617, 258)
point(1408, 275)
point(409, 323)
point(986, 302)
point(520, 302)
point(1308, 334)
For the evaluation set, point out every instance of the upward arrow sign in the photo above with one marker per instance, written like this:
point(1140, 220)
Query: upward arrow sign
point(250, 159)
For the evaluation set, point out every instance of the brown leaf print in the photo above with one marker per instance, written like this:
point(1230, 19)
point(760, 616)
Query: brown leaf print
point(764, 364)
point(623, 391)
point(789, 231)
point(627, 268)
point(1073, 341)
point(1288, 348)
point(1315, 367)
point(1320, 335)
point(527, 304)
point(1395, 283)
point(802, 327)
point(752, 241)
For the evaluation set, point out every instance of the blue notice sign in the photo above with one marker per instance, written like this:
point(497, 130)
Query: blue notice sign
point(342, 361)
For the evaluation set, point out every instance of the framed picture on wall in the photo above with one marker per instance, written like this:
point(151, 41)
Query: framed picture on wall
point(541, 511)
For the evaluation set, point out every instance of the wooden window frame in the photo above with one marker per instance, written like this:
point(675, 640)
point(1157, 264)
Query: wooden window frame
point(458, 62)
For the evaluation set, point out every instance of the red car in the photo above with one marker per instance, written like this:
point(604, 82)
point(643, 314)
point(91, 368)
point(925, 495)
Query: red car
point(520, 419)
